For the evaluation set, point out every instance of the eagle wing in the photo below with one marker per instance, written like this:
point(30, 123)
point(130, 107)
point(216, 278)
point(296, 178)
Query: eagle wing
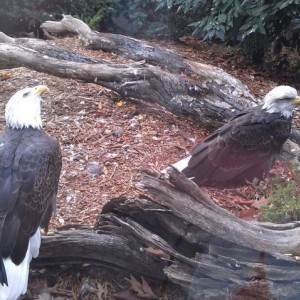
point(30, 164)
point(243, 149)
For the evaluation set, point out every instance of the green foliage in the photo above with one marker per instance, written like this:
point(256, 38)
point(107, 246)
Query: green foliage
point(284, 204)
point(182, 5)
point(257, 26)
point(238, 21)
point(93, 12)
point(138, 12)
point(136, 16)
point(139, 17)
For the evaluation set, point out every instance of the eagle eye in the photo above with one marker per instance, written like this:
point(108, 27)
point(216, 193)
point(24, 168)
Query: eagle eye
point(26, 94)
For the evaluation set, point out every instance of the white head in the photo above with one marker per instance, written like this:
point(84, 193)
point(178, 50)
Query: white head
point(281, 99)
point(23, 109)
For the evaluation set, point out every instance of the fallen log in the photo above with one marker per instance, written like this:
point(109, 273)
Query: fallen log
point(180, 235)
point(229, 95)
point(204, 93)
point(138, 50)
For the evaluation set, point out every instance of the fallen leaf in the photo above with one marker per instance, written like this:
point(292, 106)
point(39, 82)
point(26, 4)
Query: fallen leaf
point(132, 107)
point(103, 290)
point(147, 289)
point(157, 252)
point(142, 289)
point(120, 103)
point(141, 117)
point(135, 285)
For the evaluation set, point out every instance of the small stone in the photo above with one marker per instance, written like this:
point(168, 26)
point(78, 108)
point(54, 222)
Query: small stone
point(93, 168)
point(118, 132)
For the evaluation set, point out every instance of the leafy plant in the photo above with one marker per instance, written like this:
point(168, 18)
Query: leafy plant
point(138, 17)
point(274, 23)
point(284, 203)
point(93, 12)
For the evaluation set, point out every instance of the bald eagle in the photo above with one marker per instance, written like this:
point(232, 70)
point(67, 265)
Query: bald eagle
point(245, 149)
point(30, 164)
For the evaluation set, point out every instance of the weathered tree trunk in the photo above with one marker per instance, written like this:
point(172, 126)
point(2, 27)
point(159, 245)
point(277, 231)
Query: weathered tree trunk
point(138, 50)
point(203, 92)
point(183, 237)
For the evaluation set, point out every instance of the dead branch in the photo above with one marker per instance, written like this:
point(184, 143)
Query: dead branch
point(205, 93)
point(181, 236)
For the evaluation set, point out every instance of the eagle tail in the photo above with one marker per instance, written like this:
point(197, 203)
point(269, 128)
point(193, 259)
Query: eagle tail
point(180, 165)
point(3, 277)
point(17, 275)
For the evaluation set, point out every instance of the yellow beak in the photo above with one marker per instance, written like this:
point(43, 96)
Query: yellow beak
point(40, 89)
point(297, 100)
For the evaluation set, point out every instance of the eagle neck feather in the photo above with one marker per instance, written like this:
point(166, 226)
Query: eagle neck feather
point(284, 108)
point(23, 116)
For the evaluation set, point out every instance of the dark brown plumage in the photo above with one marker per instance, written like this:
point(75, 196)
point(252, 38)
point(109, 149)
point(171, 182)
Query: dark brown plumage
point(30, 165)
point(244, 150)
point(240, 151)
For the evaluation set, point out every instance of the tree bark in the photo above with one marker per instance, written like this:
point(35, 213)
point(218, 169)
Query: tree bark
point(204, 93)
point(138, 50)
point(180, 235)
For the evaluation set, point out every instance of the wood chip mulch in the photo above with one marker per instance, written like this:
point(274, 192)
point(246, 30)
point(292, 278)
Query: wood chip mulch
point(106, 141)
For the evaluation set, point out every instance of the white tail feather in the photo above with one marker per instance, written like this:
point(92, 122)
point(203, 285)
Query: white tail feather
point(17, 276)
point(180, 165)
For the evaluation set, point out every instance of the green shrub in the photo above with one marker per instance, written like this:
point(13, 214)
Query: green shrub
point(136, 17)
point(274, 23)
point(93, 12)
point(284, 204)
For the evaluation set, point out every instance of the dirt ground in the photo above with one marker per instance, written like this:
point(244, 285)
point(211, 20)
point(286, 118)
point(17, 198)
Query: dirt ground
point(106, 141)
